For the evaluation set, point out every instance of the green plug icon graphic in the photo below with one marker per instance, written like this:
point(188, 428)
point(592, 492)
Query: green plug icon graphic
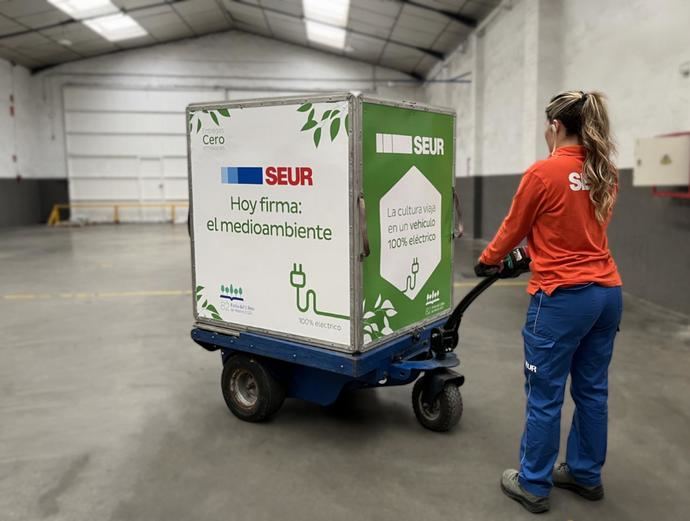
point(307, 300)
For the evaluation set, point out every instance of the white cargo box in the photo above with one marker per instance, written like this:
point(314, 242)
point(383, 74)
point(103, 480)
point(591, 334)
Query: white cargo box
point(325, 219)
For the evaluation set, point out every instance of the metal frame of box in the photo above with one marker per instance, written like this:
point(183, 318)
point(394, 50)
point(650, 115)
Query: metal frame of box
point(355, 167)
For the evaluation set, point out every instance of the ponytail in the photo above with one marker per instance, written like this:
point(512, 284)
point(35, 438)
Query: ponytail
point(585, 114)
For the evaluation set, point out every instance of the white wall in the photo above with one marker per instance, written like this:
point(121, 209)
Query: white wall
point(12, 127)
point(7, 137)
point(529, 50)
point(500, 51)
point(459, 96)
point(229, 65)
point(21, 134)
point(631, 50)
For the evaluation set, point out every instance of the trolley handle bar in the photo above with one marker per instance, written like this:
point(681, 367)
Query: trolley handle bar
point(453, 322)
point(444, 340)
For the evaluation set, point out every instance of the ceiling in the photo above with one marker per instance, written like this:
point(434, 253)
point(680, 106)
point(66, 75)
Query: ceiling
point(407, 35)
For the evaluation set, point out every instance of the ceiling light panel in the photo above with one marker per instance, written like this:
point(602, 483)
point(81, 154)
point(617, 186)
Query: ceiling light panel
point(116, 27)
point(326, 34)
point(326, 21)
point(80, 9)
point(333, 12)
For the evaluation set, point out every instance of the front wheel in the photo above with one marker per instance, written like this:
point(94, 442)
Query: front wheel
point(250, 391)
point(440, 414)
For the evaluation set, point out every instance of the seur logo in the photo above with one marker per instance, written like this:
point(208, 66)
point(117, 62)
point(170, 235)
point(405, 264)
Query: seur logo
point(242, 175)
point(271, 175)
point(402, 144)
point(577, 182)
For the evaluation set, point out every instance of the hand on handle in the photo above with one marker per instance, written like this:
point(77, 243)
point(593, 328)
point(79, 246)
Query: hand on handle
point(513, 265)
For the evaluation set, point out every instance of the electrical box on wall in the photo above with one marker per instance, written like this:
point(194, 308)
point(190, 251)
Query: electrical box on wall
point(662, 161)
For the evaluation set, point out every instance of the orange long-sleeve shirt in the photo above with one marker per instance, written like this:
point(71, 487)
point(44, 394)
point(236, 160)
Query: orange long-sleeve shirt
point(551, 207)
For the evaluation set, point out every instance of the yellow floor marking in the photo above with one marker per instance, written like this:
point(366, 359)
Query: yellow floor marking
point(82, 295)
point(100, 295)
point(20, 296)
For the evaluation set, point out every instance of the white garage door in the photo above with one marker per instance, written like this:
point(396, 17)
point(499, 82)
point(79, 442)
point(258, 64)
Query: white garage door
point(128, 146)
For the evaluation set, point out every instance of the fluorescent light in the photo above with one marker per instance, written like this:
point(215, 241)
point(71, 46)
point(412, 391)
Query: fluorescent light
point(326, 34)
point(333, 12)
point(80, 9)
point(103, 17)
point(116, 27)
point(326, 21)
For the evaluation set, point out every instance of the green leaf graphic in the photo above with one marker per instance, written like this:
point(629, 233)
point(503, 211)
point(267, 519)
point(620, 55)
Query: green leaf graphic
point(325, 115)
point(334, 113)
point(347, 124)
point(214, 118)
point(198, 297)
point(335, 127)
point(198, 125)
point(204, 304)
point(224, 112)
point(309, 124)
point(216, 316)
point(212, 308)
point(317, 137)
point(304, 108)
point(199, 288)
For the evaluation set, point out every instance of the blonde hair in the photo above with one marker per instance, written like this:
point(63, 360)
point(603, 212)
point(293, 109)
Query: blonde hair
point(585, 115)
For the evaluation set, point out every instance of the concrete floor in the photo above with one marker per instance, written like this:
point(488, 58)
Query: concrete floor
point(108, 411)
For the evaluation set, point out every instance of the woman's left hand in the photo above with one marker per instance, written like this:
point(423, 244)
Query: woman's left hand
point(487, 270)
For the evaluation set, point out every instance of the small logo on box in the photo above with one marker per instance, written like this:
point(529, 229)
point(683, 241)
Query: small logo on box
point(242, 175)
point(433, 297)
point(231, 293)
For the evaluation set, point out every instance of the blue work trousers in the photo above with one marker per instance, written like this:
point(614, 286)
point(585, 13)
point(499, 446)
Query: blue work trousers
point(570, 332)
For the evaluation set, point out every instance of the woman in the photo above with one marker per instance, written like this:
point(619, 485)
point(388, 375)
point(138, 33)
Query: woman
point(563, 206)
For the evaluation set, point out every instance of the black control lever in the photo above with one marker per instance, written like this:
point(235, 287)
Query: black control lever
point(443, 340)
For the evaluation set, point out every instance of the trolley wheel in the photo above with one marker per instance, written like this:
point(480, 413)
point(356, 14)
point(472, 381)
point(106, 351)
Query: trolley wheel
point(250, 391)
point(443, 413)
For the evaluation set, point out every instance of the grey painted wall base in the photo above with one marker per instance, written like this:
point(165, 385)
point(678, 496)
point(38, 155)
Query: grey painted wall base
point(29, 201)
point(649, 236)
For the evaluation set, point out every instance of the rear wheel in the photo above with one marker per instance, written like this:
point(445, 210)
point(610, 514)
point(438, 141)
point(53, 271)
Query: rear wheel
point(250, 391)
point(440, 413)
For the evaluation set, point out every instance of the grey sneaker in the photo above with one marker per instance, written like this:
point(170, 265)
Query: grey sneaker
point(511, 488)
point(562, 478)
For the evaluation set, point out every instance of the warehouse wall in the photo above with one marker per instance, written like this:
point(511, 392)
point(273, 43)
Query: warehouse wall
point(529, 50)
point(633, 51)
point(7, 138)
point(22, 108)
point(458, 95)
point(649, 237)
point(231, 65)
point(22, 200)
point(29, 201)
